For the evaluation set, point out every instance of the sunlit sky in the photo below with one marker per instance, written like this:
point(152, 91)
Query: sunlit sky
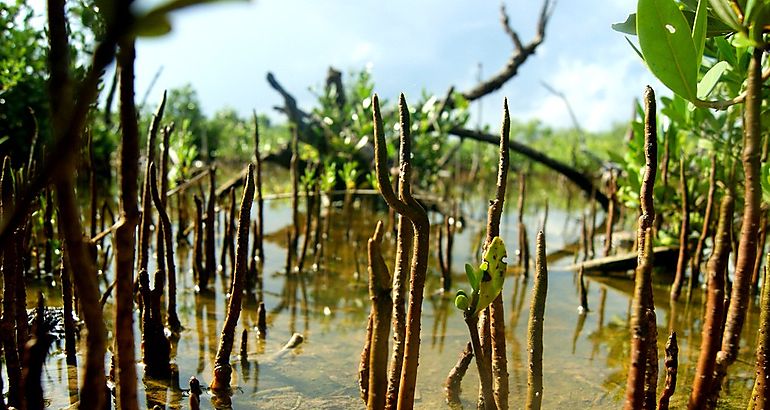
point(225, 51)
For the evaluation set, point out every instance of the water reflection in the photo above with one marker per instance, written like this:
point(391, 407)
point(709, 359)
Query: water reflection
point(585, 359)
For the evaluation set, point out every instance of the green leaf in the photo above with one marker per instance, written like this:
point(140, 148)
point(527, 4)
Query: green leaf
point(152, 25)
point(714, 27)
point(462, 301)
point(710, 79)
point(175, 5)
point(628, 26)
point(699, 30)
point(724, 11)
point(474, 277)
point(664, 37)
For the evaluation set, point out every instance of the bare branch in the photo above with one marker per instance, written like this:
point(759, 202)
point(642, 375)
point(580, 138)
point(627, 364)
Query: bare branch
point(520, 55)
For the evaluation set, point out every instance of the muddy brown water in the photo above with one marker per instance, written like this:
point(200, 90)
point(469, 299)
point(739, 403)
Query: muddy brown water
point(585, 357)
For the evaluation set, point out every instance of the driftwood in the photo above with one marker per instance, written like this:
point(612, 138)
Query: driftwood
point(606, 266)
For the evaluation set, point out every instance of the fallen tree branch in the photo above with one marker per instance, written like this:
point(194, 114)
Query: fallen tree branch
point(578, 178)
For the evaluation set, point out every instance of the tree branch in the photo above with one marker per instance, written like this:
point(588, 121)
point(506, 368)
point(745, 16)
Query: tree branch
point(520, 55)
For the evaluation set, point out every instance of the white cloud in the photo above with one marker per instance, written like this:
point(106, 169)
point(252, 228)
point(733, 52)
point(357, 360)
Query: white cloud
point(599, 93)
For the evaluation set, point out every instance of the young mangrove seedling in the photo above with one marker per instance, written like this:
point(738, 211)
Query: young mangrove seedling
point(486, 283)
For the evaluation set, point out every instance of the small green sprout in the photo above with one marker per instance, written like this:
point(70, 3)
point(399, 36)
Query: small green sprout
point(486, 281)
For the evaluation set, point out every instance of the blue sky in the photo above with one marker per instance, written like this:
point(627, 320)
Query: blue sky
point(225, 50)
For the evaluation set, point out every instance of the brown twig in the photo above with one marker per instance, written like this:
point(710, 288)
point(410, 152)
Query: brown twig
point(636, 388)
point(125, 231)
point(209, 232)
point(199, 273)
point(146, 218)
point(171, 316)
point(684, 233)
point(705, 231)
point(711, 338)
point(747, 246)
point(496, 313)
point(535, 327)
point(260, 200)
point(412, 210)
point(452, 386)
point(404, 242)
point(612, 189)
point(10, 260)
point(222, 369)
point(382, 306)
point(760, 394)
point(672, 365)
point(365, 362)
point(583, 292)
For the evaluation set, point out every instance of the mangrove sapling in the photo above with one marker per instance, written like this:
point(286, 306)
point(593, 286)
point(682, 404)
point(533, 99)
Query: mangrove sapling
point(404, 241)
point(70, 344)
point(644, 310)
point(636, 387)
point(412, 210)
point(672, 365)
point(227, 239)
point(612, 193)
point(760, 247)
point(209, 237)
point(294, 192)
point(222, 369)
point(713, 322)
point(163, 178)
point(382, 305)
point(760, 394)
point(48, 231)
point(446, 280)
point(8, 320)
point(486, 284)
point(289, 254)
point(35, 353)
point(584, 237)
point(260, 201)
point(195, 393)
point(535, 327)
point(496, 315)
point(523, 252)
point(684, 233)
point(452, 386)
point(705, 231)
point(308, 180)
point(124, 236)
point(199, 273)
point(583, 308)
point(591, 228)
point(146, 217)
point(365, 362)
point(156, 349)
point(747, 246)
point(244, 346)
point(172, 320)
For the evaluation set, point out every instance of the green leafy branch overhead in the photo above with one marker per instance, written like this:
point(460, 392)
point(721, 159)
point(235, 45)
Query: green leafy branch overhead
point(672, 35)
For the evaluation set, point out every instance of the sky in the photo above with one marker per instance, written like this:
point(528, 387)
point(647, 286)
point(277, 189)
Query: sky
point(226, 49)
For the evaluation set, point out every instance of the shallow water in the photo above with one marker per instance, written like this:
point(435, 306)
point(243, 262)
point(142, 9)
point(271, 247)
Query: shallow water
point(585, 357)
